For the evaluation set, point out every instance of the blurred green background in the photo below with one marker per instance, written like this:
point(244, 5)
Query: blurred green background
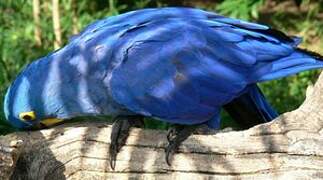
point(27, 33)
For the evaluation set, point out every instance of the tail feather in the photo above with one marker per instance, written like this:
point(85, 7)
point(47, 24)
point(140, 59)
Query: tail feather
point(313, 54)
point(298, 61)
point(251, 108)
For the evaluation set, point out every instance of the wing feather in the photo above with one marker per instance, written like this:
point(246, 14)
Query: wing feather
point(182, 68)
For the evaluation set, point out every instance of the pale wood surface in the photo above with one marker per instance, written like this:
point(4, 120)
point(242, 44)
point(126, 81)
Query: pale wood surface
point(290, 147)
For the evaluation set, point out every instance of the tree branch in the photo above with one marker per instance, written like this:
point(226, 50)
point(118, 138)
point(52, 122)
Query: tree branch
point(37, 26)
point(56, 24)
point(289, 147)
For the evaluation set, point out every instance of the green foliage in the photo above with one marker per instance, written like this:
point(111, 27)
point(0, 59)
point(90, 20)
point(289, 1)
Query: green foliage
point(288, 93)
point(241, 9)
point(18, 47)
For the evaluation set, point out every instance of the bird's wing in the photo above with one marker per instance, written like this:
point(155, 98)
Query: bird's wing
point(142, 17)
point(183, 70)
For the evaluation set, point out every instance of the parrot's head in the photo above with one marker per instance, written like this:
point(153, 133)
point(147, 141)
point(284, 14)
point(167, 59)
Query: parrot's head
point(23, 106)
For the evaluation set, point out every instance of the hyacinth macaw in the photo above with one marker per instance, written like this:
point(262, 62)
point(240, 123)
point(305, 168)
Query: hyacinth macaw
point(178, 65)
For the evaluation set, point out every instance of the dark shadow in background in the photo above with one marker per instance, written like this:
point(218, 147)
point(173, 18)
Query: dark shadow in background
point(31, 167)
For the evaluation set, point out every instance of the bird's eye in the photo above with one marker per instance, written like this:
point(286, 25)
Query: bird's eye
point(27, 116)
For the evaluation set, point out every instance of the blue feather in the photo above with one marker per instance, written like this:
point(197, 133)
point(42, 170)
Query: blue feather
point(178, 65)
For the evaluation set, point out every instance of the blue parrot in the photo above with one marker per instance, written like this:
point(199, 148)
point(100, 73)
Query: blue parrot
point(177, 65)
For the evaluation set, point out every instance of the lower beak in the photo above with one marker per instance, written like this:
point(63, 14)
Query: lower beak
point(50, 122)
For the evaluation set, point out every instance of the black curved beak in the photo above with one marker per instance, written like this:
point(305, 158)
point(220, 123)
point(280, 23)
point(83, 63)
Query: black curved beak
point(36, 127)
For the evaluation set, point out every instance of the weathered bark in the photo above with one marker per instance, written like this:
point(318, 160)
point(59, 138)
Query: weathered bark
point(9, 153)
point(37, 30)
point(56, 24)
point(287, 148)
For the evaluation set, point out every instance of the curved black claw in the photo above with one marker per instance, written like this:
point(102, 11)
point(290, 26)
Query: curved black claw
point(119, 134)
point(170, 150)
point(176, 135)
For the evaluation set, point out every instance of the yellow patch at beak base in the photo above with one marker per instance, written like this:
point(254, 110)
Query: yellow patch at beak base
point(51, 121)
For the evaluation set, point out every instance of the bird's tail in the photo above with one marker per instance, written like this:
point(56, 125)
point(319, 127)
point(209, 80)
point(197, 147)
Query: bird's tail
point(300, 60)
point(251, 108)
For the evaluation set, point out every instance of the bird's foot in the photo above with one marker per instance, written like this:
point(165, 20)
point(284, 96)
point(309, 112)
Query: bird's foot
point(175, 136)
point(120, 132)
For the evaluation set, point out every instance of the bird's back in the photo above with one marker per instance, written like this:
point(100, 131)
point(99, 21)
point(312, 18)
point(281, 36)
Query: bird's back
point(177, 64)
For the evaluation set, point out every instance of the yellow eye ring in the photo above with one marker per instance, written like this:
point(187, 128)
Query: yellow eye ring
point(27, 116)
